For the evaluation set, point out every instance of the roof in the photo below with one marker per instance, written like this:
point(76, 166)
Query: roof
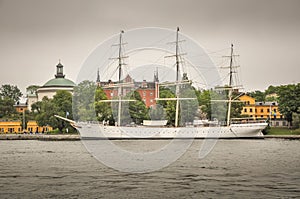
point(59, 82)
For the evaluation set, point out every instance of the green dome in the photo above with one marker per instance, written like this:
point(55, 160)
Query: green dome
point(59, 82)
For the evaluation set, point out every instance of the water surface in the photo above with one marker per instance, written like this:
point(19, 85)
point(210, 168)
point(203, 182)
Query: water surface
point(234, 169)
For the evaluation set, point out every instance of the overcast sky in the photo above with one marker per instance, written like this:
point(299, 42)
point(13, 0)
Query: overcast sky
point(35, 34)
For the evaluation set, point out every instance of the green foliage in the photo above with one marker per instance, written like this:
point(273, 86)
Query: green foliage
point(171, 112)
point(83, 101)
point(204, 101)
point(169, 106)
point(87, 104)
point(272, 90)
point(258, 95)
point(289, 100)
point(7, 107)
point(188, 108)
point(296, 120)
point(36, 107)
point(157, 112)
point(103, 109)
point(271, 99)
point(218, 108)
point(11, 92)
point(236, 107)
point(266, 130)
point(47, 112)
point(61, 104)
point(283, 131)
point(32, 89)
point(137, 109)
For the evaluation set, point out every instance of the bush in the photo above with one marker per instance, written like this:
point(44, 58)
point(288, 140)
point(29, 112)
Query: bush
point(266, 130)
point(54, 131)
point(296, 120)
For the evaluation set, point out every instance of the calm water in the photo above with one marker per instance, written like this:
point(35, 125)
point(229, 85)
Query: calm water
point(267, 168)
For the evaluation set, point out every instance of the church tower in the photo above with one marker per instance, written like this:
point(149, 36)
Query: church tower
point(59, 71)
point(98, 83)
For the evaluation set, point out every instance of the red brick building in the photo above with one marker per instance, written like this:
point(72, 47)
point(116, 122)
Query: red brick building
point(147, 90)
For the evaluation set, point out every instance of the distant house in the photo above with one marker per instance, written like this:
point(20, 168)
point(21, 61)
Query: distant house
point(262, 110)
point(16, 127)
point(21, 105)
point(147, 90)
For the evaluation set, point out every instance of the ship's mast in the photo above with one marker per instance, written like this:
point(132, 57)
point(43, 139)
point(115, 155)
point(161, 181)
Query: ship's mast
point(230, 86)
point(120, 90)
point(177, 79)
point(120, 56)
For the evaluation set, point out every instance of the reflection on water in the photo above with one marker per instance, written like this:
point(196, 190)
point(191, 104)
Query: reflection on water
point(234, 169)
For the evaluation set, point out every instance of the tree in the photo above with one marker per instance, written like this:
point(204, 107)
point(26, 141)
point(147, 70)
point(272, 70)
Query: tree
point(168, 105)
point(258, 95)
point(10, 91)
point(6, 107)
point(188, 107)
point(219, 107)
point(157, 112)
point(61, 104)
point(62, 101)
point(46, 115)
point(36, 107)
point(137, 109)
point(32, 89)
point(272, 90)
point(289, 101)
point(84, 101)
point(103, 109)
point(236, 107)
point(204, 101)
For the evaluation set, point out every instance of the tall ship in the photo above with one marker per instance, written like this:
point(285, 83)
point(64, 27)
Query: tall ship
point(184, 125)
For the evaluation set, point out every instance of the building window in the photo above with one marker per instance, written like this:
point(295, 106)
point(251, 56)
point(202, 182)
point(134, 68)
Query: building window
point(274, 110)
point(262, 110)
point(144, 93)
point(261, 116)
point(151, 93)
point(151, 100)
point(245, 110)
point(250, 110)
point(268, 110)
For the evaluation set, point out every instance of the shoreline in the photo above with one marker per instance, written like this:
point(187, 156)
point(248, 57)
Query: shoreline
point(42, 137)
point(76, 137)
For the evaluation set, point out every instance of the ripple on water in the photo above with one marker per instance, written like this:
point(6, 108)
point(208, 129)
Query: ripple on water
point(234, 169)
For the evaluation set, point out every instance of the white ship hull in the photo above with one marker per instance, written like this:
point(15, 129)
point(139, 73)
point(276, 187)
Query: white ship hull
point(97, 131)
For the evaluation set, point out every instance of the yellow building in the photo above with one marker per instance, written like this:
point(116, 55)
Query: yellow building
point(16, 127)
point(32, 126)
point(249, 106)
point(263, 110)
point(10, 127)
